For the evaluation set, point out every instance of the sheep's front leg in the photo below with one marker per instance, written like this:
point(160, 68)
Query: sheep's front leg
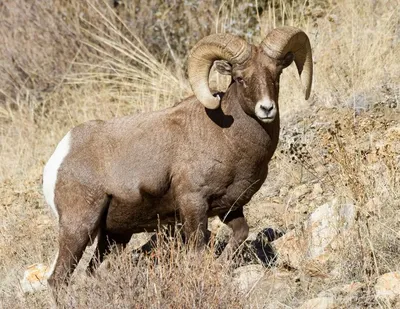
point(193, 211)
point(236, 221)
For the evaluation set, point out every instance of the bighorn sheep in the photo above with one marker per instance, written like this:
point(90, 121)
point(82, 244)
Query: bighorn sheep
point(203, 157)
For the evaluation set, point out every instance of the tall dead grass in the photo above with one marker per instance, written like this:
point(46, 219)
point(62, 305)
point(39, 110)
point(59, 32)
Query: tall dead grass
point(171, 277)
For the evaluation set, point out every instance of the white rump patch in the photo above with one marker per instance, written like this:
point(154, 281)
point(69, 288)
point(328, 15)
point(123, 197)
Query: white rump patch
point(51, 269)
point(51, 170)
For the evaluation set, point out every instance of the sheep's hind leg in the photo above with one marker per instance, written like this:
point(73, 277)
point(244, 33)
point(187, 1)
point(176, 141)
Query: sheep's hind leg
point(236, 221)
point(75, 232)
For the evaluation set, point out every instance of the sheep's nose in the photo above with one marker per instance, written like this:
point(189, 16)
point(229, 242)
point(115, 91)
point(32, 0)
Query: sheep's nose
point(267, 108)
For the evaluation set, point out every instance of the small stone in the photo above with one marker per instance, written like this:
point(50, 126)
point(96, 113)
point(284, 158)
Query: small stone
point(317, 191)
point(333, 18)
point(248, 276)
point(319, 303)
point(373, 206)
point(35, 278)
point(387, 287)
point(283, 192)
point(214, 225)
point(299, 192)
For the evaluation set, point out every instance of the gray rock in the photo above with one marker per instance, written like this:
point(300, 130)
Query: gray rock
point(314, 240)
point(248, 276)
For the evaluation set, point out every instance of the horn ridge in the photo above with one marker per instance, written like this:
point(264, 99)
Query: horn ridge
point(202, 56)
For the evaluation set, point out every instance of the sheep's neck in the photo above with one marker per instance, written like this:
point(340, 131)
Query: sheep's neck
point(253, 131)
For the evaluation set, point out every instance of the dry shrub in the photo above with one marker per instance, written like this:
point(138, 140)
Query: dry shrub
point(369, 178)
point(354, 159)
point(356, 49)
point(58, 32)
point(174, 275)
point(40, 41)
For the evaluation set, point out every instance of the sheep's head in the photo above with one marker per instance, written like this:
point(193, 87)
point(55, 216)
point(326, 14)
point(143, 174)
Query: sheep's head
point(255, 69)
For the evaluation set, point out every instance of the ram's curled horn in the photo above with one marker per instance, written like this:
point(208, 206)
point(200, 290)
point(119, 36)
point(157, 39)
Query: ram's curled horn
point(283, 40)
point(214, 47)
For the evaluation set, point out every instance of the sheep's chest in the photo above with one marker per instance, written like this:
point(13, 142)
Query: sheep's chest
point(234, 196)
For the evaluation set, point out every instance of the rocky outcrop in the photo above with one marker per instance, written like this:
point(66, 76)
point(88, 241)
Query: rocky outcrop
point(315, 239)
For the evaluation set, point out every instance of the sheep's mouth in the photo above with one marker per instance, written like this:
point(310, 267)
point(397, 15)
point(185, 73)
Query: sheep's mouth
point(266, 116)
point(266, 119)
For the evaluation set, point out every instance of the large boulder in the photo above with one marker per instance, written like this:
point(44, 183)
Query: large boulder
point(315, 239)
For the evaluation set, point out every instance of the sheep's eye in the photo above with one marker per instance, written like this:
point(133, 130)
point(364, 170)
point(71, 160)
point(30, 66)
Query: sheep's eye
point(240, 80)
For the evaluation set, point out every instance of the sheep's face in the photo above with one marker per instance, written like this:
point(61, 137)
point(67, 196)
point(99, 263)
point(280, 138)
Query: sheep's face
point(258, 82)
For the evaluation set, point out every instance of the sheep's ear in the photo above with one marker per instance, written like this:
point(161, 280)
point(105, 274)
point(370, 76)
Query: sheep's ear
point(223, 67)
point(286, 61)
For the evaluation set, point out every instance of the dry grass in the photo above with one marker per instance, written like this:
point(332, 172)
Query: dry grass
point(89, 61)
point(171, 277)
